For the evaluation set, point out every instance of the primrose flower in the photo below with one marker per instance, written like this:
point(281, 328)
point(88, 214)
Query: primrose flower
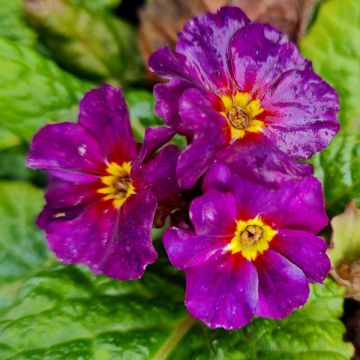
point(252, 250)
point(229, 78)
point(104, 188)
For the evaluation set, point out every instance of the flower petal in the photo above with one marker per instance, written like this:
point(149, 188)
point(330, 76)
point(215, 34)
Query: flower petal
point(306, 251)
point(282, 286)
point(104, 113)
point(68, 151)
point(167, 101)
point(115, 243)
point(214, 214)
point(222, 292)
point(259, 55)
point(204, 42)
point(295, 204)
point(187, 249)
point(257, 159)
point(159, 173)
point(301, 113)
point(209, 132)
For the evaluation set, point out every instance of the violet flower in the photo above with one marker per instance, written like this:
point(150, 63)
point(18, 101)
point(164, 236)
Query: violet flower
point(229, 78)
point(104, 188)
point(252, 250)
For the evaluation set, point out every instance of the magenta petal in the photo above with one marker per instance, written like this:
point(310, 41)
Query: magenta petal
point(306, 251)
point(259, 54)
point(104, 113)
point(221, 292)
point(214, 213)
point(301, 128)
point(159, 173)
point(282, 286)
point(257, 159)
point(186, 249)
point(209, 132)
point(296, 204)
point(167, 101)
point(68, 151)
point(115, 243)
point(154, 139)
point(204, 42)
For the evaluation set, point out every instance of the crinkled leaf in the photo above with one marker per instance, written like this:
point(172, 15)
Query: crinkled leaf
point(345, 240)
point(338, 168)
point(22, 246)
point(333, 45)
point(66, 312)
point(13, 24)
point(88, 42)
point(34, 91)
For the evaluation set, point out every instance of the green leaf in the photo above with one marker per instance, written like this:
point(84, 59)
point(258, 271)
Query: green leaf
point(34, 91)
point(91, 43)
point(66, 312)
point(13, 24)
point(333, 45)
point(22, 246)
point(338, 168)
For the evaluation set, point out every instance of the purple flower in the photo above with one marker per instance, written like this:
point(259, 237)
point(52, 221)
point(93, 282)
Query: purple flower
point(104, 187)
point(252, 250)
point(230, 78)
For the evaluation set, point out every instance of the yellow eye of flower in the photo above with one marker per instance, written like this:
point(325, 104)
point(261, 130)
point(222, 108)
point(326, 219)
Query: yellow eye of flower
point(241, 113)
point(118, 184)
point(251, 238)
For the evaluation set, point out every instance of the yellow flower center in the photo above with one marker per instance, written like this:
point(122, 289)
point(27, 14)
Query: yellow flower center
point(241, 112)
point(251, 238)
point(118, 185)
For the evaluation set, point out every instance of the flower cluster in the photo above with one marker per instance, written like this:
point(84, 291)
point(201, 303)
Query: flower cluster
point(249, 106)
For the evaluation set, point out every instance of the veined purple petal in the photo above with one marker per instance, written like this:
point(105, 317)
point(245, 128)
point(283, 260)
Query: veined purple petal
point(221, 292)
point(305, 250)
point(68, 151)
point(103, 112)
point(167, 101)
point(209, 132)
point(115, 243)
point(257, 159)
point(296, 204)
point(159, 173)
point(282, 286)
point(204, 42)
point(301, 128)
point(259, 55)
point(187, 249)
point(214, 214)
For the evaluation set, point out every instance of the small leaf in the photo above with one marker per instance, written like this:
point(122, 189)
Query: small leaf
point(13, 24)
point(345, 241)
point(22, 246)
point(338, 168)
point(90, 43)
point(333, 45)
point(34, 91)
